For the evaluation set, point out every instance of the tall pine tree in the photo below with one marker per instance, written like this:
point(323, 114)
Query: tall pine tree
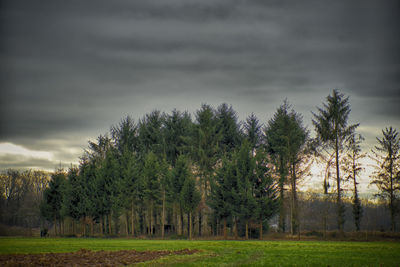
point(387, 174)
point(332, 129)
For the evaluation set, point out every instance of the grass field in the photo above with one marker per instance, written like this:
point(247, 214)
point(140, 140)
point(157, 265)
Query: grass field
point(227, 253)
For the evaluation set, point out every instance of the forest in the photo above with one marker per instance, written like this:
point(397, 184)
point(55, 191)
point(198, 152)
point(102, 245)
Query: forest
point(213, 175)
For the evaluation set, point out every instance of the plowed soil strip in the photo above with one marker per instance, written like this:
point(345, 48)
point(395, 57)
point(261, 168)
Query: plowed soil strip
point(86, 257)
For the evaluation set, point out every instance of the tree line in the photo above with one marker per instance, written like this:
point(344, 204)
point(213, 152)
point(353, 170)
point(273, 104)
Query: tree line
point(171, 174)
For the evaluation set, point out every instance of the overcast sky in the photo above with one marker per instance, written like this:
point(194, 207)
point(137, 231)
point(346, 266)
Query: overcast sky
point(71, 69)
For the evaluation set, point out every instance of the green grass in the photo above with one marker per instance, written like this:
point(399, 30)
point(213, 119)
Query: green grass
point(227, 253)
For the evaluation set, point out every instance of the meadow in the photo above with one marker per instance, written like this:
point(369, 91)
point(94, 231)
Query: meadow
point(225, 253)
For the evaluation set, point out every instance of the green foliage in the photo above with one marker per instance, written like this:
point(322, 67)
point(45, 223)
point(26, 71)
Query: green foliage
point(151, 137)
point(331, 126)
point(228, 129)
point(73, 196)
point(264, 188)
point(125, 135)
point(53, 196)
point(223, 190)
point(190, 196)
point(286, 140)
point(206, 140)
point(178, 132)
point(244, 165)
point(244, 189)
point(178, 176)
point(253, 131)
point(151, 178)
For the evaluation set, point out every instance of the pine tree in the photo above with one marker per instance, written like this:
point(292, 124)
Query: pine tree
point(125, 135)
point(177, 179)
point(151, 138)
point(277, 146)
point(387, 175)
point(190, 198)
point(152, 189)
point(205, 151)
point(331, 126)
point(265, 190)
point(178, 132)
point(73, 197)
point(228, 128)
point(223, 196)
point(253, 131)
point(51, 206)
point(245, 174)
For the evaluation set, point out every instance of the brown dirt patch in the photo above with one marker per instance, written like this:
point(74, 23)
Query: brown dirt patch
point(86, 257)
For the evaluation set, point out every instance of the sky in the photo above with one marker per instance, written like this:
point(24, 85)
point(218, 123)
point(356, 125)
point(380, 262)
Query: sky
point(69, 70)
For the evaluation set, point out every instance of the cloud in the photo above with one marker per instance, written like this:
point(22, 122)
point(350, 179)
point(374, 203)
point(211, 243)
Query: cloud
point(71, 69)
point(12, 149)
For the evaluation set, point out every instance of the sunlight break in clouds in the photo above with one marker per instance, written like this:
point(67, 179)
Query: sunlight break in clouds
point(10, 148)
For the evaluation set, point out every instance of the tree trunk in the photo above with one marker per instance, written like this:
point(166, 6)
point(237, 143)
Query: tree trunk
point(339, 193)
point(127, 222)
point(190, 226)
point(200, 221)
point(261, 229)
point(102, 224)
point(151, 220)
point(247, 230)
point(225, 234)
point(133, 219)
point(282, 209)
point(294, 212)
point(391, 203)
point(181, 221)
point(236, 229)
point(55, 226)
point(109, 224)
point(91, 227)
point(163, 216)
point(83, 228)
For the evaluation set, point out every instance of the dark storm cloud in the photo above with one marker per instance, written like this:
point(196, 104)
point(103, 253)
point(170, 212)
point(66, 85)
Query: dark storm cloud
point(73, 68)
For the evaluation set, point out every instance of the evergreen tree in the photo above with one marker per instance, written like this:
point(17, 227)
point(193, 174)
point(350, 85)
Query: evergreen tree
point(228, 128)
point(286, 139)
point(299, 162)
point(253, 131)
point(190, 198)
point(150, 136)
point(265, 190)
point(331, 126)
point(178, 132)
point(53, 197)
point(130, 186)
point(73, 197)
point(387, 175)
point(152, 189)
point(245, 173)
point(164, 174)
point(177, 179)
point(205, 148)
point(125, 135)
point(277, 146)
point(86, 186)
point(223, 195)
